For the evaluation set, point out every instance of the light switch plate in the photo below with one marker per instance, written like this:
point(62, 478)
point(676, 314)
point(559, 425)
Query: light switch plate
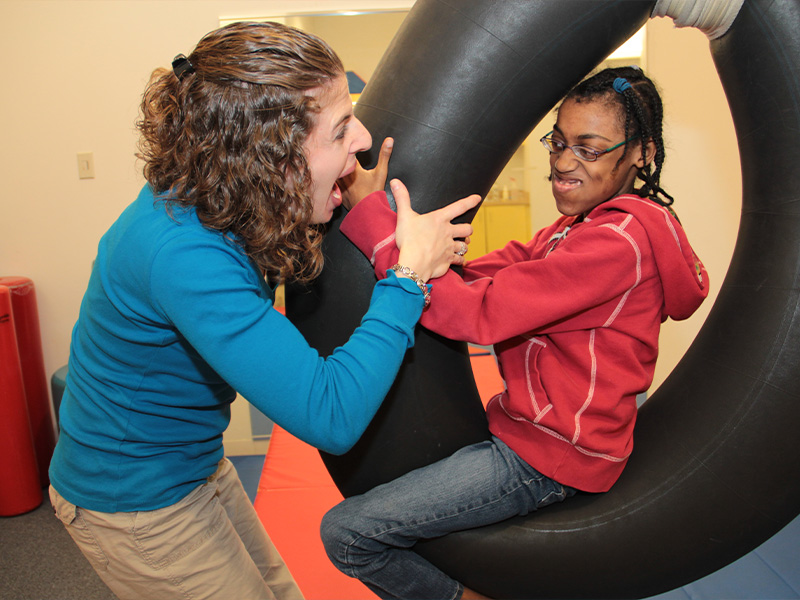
point(85, 165)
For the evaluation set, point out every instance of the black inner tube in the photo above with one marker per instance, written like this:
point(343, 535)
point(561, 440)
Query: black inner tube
point(714, 472)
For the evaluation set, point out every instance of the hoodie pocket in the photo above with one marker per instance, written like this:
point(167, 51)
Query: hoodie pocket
point(525, 385)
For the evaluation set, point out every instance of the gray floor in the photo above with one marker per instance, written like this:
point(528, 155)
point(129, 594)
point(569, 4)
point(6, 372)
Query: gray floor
point(38, 561)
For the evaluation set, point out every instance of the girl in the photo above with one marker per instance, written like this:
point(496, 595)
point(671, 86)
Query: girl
point(574, 317)
point(243, 143)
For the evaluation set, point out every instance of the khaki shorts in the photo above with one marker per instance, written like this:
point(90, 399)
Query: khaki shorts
point(209, 545)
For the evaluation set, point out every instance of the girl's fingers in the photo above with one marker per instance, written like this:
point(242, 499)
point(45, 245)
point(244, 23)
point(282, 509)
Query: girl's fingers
point(383, 157)
point(401, 197)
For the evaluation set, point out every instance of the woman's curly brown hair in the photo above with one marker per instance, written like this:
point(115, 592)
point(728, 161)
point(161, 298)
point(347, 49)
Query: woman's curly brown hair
point(227, 139)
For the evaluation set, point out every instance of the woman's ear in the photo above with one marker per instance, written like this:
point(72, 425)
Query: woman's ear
point(650, 153)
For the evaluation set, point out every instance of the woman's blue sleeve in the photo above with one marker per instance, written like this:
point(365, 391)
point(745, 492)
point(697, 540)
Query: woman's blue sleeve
point(215, 299)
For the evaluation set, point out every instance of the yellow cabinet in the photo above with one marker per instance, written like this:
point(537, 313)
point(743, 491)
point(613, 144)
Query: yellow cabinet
point(496, 224)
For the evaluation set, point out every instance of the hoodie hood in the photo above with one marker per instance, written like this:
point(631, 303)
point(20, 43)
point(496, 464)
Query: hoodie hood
point(684, 278)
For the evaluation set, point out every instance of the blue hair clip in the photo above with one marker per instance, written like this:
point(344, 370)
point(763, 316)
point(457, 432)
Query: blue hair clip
point(621, 84)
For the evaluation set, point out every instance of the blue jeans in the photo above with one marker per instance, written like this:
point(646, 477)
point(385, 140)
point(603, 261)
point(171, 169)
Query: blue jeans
point(371, 536)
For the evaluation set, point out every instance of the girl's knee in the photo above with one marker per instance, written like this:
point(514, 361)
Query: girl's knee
point(346, 535)
point(333, 532)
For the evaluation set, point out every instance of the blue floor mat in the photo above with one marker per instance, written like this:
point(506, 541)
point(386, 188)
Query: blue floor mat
point(249, 468)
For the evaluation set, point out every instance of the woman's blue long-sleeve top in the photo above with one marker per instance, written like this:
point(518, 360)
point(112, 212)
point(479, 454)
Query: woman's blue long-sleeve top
point(176, 319)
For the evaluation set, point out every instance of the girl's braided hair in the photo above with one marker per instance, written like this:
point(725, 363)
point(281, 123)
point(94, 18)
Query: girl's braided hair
point(641, 114)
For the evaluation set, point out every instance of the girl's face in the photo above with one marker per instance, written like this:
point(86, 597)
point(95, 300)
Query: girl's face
point(332, 146)
point(580, 185)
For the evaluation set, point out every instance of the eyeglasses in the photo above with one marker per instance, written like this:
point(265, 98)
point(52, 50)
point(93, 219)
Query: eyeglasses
point(582, 152)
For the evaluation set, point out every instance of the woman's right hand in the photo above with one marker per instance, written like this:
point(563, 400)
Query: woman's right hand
point(429, 243)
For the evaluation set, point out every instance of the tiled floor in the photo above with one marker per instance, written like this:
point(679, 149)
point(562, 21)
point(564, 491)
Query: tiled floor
point(770, 572)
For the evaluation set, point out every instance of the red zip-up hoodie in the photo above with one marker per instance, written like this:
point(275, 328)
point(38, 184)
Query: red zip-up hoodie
point(574, 317)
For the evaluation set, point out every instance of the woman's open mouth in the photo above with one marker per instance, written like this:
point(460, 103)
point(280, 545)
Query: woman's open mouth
point(336, 195)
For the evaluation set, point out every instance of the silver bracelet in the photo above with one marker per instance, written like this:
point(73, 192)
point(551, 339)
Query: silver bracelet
point(398, 268)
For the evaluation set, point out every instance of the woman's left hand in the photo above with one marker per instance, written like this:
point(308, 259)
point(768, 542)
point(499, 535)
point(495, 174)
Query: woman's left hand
point(362, 182)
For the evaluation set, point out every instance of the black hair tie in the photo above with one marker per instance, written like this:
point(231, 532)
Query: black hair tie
point(181, 66)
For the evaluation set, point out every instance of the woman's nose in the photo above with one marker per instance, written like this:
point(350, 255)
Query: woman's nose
point(362, 140)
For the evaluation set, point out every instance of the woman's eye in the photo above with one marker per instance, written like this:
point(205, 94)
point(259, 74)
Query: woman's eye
point(342, 133)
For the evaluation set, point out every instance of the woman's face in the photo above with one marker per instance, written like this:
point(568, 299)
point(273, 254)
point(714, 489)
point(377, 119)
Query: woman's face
point(332, 146)
point(579, 185)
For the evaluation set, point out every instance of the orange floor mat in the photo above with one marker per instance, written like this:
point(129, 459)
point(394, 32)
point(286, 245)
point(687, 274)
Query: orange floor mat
point(295, 491)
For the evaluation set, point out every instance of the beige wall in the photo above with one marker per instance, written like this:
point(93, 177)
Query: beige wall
point(359, 40)
point(73, 73)
point(702, 168)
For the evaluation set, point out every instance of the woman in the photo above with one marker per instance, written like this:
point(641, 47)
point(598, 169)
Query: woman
point(243, 143)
